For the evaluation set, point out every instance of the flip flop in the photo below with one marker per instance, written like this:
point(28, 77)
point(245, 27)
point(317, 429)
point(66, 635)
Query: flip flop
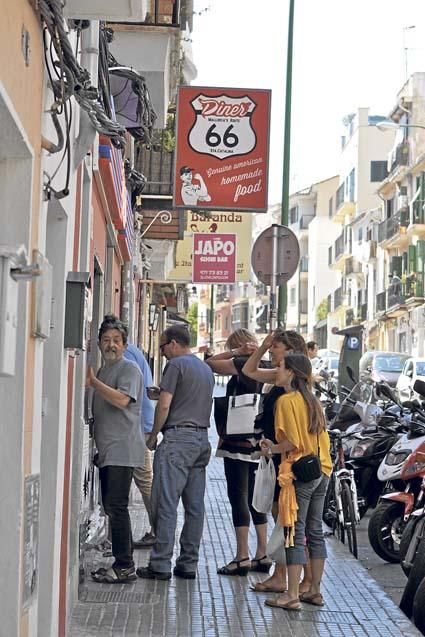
point(314, 599)
point(293, 604)
point(260, 587)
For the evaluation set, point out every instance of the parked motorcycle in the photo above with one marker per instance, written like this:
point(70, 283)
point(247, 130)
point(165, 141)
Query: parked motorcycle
point(402, 489)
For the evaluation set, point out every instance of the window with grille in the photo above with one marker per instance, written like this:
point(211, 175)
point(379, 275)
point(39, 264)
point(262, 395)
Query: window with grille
point(378, 170)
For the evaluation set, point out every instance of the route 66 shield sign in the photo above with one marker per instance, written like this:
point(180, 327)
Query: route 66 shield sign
point(223, 126)
point(222, 149)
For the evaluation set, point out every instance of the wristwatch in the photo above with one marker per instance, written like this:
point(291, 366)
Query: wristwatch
point(233, 352)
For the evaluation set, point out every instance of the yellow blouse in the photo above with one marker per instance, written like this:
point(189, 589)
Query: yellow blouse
point(291, 423)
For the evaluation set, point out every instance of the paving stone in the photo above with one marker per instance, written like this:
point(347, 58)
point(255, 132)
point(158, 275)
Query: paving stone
point(219, 606)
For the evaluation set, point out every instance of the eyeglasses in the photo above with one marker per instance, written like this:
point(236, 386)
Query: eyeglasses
point(161, 347)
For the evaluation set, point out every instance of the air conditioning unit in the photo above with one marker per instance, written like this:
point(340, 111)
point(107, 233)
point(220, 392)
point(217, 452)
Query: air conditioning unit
point(110, 10)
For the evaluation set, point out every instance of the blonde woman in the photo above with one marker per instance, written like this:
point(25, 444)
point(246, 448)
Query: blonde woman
point(239, 468)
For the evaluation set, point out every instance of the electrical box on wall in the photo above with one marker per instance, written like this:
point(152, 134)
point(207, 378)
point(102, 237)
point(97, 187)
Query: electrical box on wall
point(8, 318)
point(76, 310)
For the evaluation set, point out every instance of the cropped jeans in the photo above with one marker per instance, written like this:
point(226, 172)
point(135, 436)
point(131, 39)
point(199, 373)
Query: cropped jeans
point(310, 499)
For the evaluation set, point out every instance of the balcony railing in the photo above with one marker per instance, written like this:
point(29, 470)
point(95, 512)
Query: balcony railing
point(156, 164)
point(352, 266)
point(399, 156)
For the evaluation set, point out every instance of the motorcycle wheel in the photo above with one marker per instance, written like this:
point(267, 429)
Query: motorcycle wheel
point(349, 518)
point(406, 538)
point(385, 528)
point(419, 607)
point(416, 576)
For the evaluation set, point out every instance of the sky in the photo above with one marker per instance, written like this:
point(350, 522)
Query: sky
point(346, 54)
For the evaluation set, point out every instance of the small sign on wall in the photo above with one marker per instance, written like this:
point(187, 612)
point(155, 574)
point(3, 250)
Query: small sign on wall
point(31, 543)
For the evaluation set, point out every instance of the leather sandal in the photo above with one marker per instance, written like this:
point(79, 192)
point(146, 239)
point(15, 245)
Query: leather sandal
point(315, 599)
point(291, 604)
point(239, 570)
point(114, 575)
point(261, 565)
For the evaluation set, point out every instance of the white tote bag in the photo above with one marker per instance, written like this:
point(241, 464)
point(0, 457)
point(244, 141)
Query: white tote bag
point(265, 482)
point(276, 545)
point(241, 415)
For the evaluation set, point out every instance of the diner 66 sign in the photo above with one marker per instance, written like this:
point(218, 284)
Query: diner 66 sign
point(222, 149)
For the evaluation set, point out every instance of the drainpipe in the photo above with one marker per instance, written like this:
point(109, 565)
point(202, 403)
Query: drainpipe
point(89, 60)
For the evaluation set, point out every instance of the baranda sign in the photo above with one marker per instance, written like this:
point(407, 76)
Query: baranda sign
point(222, 149)
point(214, 258)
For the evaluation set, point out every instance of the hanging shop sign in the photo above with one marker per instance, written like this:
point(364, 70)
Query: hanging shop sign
point(222, 149)
point(214, 258)
point(226, 223)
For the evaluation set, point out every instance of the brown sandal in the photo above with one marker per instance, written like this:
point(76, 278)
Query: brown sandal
point(315, 599)
point(261, 587)
point(292, 604)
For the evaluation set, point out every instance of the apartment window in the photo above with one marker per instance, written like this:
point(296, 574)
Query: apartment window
point(378, 170)
point(226, 323)
point(240, 315)
point(331, 207)
point(360, 235)
point(293, 214)
point(292, 295)
point(389, 208)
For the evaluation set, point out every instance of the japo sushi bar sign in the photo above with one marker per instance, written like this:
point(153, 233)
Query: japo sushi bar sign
point(214, 258)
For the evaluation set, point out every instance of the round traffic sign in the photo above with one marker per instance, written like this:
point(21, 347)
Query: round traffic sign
point(287, 258)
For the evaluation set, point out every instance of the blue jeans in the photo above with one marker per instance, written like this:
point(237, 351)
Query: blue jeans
point(310, 500)
point(179, 472)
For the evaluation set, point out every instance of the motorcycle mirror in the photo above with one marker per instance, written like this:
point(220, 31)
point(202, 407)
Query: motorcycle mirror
point(388, 392)
point(351, 374)
point(408, 404)
point(419, 387)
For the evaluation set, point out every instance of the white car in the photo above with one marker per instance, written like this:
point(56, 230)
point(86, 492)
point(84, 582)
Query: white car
point(413, 369)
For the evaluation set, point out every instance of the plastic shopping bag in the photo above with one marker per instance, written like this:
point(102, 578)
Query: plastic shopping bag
point(276, 545)
point(265, 482)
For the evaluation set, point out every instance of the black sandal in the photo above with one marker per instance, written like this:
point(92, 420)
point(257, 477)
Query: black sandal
point(114, 575)
point(261, 565)
point(239, 570)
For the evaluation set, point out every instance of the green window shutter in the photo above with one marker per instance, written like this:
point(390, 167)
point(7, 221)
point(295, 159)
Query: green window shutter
point(396, 266)
point(411, 252)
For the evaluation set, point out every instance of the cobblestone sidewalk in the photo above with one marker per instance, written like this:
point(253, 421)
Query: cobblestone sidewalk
point(213, 605)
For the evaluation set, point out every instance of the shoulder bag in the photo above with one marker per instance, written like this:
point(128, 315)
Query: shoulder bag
point(308, 468)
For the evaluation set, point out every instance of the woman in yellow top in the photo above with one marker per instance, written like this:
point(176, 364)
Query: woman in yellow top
point(300, 430)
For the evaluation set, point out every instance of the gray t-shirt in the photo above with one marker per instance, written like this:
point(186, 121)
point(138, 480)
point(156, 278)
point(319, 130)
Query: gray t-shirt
point(117, 431)
point(191, 382)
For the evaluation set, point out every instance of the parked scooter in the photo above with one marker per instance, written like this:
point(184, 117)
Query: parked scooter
point(396, 505)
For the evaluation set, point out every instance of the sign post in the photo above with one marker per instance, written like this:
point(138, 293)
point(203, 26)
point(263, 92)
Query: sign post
point(222, 149)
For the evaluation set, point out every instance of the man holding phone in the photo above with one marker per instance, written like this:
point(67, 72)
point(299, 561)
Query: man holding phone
point(182, 415)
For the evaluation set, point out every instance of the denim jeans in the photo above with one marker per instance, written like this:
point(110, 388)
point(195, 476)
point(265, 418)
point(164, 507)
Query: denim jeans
point(142, 476)
point(179, 472)
point(310, 500)
point(115, 483)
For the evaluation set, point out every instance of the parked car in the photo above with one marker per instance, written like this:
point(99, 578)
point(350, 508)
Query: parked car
point(377, 366)
point(414, 369)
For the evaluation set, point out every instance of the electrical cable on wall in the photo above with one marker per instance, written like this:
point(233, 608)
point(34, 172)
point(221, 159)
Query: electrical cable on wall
point(75, 80)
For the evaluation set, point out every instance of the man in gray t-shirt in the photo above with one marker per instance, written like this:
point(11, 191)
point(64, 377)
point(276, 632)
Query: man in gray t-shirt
point(182, 415)
point(118, 390)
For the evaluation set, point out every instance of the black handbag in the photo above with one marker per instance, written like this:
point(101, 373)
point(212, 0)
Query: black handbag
point(308, 468)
